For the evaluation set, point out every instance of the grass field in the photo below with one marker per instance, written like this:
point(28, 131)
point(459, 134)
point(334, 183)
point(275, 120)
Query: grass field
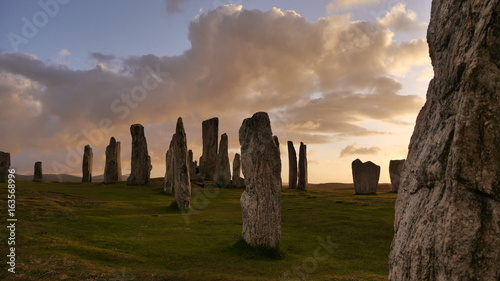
point(74, 231)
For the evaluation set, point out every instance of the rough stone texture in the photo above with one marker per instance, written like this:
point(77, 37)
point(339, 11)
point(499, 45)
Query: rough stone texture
point(210, 135)
point(181, 179)
point(140, 166)
point(292, 166)
point(113, 166)
point(88, 157)
point(222, 175)
point(237, 180)
point(303, 180)
point(38, 174)
point(169, 173)
point(365, 177)
point(448, 207)
point(4, 166)
point(261, 200)
point(395, 169)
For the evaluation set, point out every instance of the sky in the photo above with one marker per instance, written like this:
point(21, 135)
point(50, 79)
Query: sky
point(346, 77)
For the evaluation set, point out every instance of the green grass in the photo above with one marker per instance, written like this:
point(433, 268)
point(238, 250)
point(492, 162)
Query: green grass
point(72, 231)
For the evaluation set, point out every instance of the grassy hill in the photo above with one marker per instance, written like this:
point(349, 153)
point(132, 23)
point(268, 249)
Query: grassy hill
point(74, 231)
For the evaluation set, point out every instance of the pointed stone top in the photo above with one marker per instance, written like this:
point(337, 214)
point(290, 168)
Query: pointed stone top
point(179, 128)
point(137, 129)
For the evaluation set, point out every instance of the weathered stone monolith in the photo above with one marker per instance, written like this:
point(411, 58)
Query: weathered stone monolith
point(303, 178)
point(222, 175)
point(447, 223)
point(210, 136)
point(292, 166)
point(113, 166)
point(181, 179)
point(192, 164)
point(140, 166)
point(395, 169)
point(88, 157)
point(261, 164)
point(169, 173)
point(38, 174)
point(365, 177)
point(237, 180)
point(4, 166)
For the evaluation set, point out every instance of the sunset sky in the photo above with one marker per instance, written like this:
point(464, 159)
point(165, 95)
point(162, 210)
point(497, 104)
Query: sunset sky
point(346, 77)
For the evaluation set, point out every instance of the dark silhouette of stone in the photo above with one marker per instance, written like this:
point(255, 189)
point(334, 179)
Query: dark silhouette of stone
point(447, 222)
point(276, 141)
point(169, 173)
point(181, 179)
point(38, 175)
point(222, 169)
point(395, 169)
point(292, 166)
point(237, 180)
point(88, 157)
point(140, 161)
point(261, 200)
point(365, 177)
point(4, 166)
point(113, 166)
point(208, 159)
point(192, 164)
point(303, 179)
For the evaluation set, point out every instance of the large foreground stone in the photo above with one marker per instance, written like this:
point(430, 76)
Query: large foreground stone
point(88, 157)
point(395, 170)
point(292, 166)
point(261, 164)
point(180, 167)
point(140, 166)
point(447, 224)
point(222, 169)
point(210, 136)
point(4, 166)
point(113, 166)
point(365, 176)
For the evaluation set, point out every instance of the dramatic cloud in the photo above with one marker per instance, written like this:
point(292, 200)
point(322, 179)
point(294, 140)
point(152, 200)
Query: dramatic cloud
point(354, 149)
point(401, 20)
point(318, 81)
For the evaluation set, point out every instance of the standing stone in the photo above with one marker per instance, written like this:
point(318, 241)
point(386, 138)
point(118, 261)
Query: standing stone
point(365, 176)
point(169, 173)
point(208, 159)
point(448, 207)
point(140, 161)
point(192, 164)
point(292, 166)
point(181, 179)
point(4, 166)
point(88, 157)
point(395, 169)
point(237, 180)
point(303, 181)
point(222, 170)
point(276, 141)
point(261, 200)
point(113, 166)
point(38, 175)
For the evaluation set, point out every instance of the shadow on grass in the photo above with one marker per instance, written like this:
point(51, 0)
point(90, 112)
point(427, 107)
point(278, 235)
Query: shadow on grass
point(243, 249)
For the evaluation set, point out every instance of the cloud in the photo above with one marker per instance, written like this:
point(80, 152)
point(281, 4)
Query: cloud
point(319, 81)
point(173, 6)
point(348, 4)
point(354, 149)
point(401, 20)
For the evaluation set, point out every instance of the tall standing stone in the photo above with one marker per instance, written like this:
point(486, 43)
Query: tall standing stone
point(222, 170)
point(4, 166)
point(88, 157)
point(38, 174)
point(237, 180)
point(210, 135)
point(292, 166)
point(169, 173)
point(395, 169)
point(140, 161)
point(261, 164)
point(181, 179)
point(448, 206)
point(113, 166)
point(365, 176)
point(192, 164)
point(303, 178)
